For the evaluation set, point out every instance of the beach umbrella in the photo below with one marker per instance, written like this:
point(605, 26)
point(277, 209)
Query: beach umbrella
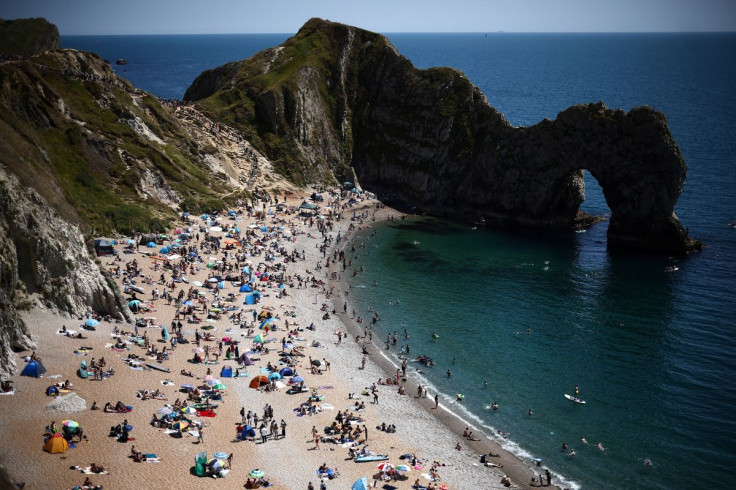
point(151, 245)
point(189, 410)
point(134, 303)
point(297, 379)
point(198, 350)
point(188, 387)
point(188, 303)
point(403, 467)
point(221, 455)
point(212, 382)
point(198, 284)
point(70, 423)
point(209, 377)
point(258, 339)
point(274, 376)
point(91, 322)
point(210, 265)
point(180, 425)
point(384, 466)
point(164, 411)
point(220, 386)
point(256, 473)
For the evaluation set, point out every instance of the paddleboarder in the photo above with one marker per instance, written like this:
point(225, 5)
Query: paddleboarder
point(576, 392)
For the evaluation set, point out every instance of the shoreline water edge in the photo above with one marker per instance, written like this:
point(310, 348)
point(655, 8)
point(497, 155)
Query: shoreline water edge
point(339, 382)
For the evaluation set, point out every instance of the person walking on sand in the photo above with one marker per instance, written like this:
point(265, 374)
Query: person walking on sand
point(436, 401)
point(375, 397)
point(200, 435)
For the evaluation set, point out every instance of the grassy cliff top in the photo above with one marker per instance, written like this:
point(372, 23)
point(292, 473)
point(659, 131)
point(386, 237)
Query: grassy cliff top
point(27, 37)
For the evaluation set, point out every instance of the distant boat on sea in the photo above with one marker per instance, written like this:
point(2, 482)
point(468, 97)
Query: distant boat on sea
point(121, 61)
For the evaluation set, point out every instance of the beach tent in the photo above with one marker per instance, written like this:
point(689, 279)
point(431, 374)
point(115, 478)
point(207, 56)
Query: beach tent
point(34, 369)
point(274, 375)
point(250, 299)
point(246, 288)
point(52, 391)
point(104, 247)
point(165, 334)
point(258, 381)
point(83, 373)
point(200, 463)
point(247, 431)
point(164, 250)
point(287, 371)
point(245, 360)
point(259, 339)
point(226, 372)
point(361, 484)
point(56, 444)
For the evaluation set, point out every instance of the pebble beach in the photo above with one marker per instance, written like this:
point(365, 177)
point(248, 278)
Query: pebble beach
point(432, 435)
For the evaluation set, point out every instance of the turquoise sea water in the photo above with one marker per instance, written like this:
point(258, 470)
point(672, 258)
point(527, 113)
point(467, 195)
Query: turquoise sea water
point(652, 352)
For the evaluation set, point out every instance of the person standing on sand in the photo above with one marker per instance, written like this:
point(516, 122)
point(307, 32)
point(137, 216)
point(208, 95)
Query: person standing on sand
point(375, 397)
point(436, 401)
point(200, 435)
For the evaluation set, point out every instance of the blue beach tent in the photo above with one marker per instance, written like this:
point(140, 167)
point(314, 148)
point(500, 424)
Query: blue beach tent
point(250, 300)
point(226, 372)
point(52, 391)
point(361, 484)
point(34, 369)
point(246, 288)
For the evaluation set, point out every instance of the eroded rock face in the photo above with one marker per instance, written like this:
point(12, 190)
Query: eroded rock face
point(43, 257)
point(335, 97)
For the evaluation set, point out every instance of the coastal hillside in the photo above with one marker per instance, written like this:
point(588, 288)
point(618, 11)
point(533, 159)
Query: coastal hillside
point(84, 154)
point(26, 37)
point(335, 103)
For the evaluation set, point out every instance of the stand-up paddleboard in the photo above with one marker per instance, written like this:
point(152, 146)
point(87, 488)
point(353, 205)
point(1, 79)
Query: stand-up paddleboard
point(576, 400)
point(156, 366)
point(367, 458)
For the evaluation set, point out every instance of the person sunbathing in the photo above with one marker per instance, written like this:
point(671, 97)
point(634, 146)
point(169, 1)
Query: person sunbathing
point(94, 468)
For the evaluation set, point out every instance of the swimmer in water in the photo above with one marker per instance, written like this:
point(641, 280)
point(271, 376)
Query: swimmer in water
point(572, 452)
point(485, 384)
point(600, 446)
point(585, 441)
point(648, 462)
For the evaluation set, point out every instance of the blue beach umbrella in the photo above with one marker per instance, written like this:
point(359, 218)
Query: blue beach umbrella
point(151, 245)
point(134, 304)
point(164, 250)
point(297, 379)
point(91, 322)
point(274, 376)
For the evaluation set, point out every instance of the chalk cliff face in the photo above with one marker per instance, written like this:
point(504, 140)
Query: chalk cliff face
point(45, 256)
point(334, 100)
point(84, 154)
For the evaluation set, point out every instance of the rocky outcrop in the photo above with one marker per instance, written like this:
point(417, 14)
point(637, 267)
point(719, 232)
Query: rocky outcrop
point(335, 99)
point(44, 258)
point(83, 154)
point(26, 37)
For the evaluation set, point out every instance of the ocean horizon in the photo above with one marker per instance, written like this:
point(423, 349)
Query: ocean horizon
point(535, 314)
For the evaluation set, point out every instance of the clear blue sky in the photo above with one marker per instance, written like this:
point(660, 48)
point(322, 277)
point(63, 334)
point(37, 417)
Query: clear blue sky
point(286, 16)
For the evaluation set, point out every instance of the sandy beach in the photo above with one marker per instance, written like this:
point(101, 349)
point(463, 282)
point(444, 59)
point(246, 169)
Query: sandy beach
point(289, 462)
